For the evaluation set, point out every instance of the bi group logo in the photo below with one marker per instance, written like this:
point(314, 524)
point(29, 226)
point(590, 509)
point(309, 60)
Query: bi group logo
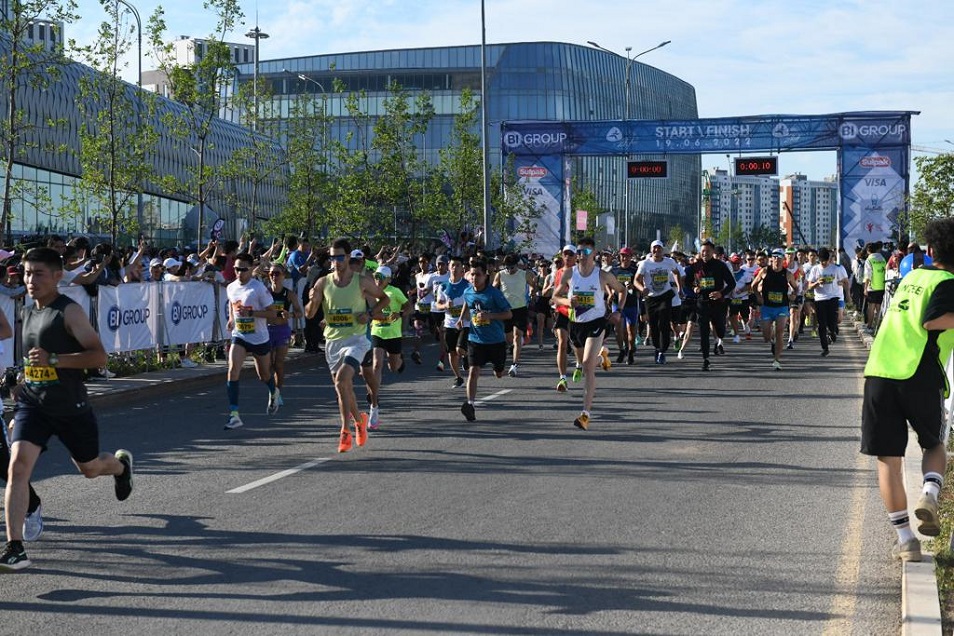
point(180, 312)
point(117, 317)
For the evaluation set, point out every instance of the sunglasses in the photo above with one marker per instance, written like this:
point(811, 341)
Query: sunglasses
point(380, 277)
point(337, 257)
point(584, 251)
point(241, 269)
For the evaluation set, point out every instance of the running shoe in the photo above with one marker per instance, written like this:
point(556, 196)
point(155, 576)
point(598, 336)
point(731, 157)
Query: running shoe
point(907, 551)
point(639, 341)
point(706, 365)
point(577, 374)
point(234, 421)
point(33, 524)
point(272, 407)
point(606, 363)
point(373, 418)
point(188, 363)
point(662, 358)
point(790, 345)
point(416, 357)
point(736, 339)
point(719, 350)
point(825, 353)
point(630, 357)
point(680, 345)
point(361, 430)
point(561, 385)
point(926, 512)
point(582, 421)
point(468, 410)
point(776, 365)
point(656, 357)
point(458, 382)
point(513, 371)
point(540, 347)
point(124, 482)
point(14, 557)
point(440, 365)
point(621, 356)
point(278, 398)
point(344, 441)
point(679, 354)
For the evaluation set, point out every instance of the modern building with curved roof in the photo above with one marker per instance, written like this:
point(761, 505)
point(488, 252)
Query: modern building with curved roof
point(525, 81)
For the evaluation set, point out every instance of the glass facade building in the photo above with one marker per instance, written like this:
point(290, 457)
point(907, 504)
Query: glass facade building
point(47, 169)
point(525, 81)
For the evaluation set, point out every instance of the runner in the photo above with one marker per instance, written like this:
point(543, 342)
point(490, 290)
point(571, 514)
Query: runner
point(561, 327)
point(279, 328)
point(386, 336)
point(626, 331)
point(795, 260)
point(344, 298)
point(437, 281)
point(825, 279)
point(739, 299)
point(712, 281)
point(874, 274)
point(423, 297)
point(250, 309)
point(60, 343)
point(450, 298)
point(487, 308)
point(514, 283)
point(582, 291)
point(657, 277)
point(775, 285)
point(905, 384)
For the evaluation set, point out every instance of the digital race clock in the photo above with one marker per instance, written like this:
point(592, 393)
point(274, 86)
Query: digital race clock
point(643, 169)
point(756, 165)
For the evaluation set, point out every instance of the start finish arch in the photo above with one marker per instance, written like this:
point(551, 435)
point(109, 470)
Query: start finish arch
point(873, 147)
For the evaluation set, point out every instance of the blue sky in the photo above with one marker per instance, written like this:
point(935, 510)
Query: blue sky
point(743, 58)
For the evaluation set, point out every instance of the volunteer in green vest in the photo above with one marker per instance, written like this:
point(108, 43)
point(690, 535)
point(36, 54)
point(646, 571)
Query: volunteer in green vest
point(905, 383)
point(874, 282)
point(345, 299)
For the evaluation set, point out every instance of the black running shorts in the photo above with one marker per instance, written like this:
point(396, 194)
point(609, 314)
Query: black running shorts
point(890, 405)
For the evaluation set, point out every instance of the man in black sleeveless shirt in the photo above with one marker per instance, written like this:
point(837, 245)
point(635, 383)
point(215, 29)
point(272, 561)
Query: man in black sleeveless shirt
point(59, 342)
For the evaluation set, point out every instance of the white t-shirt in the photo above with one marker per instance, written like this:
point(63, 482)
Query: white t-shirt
point(425, 291)
point(657, 276)
point(742, 277)
point(436, 282)
point(252, 296)
point(832, 276)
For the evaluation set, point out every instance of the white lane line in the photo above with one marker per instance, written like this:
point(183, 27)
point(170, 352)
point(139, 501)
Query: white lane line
point(493, 396)
point(277, 476)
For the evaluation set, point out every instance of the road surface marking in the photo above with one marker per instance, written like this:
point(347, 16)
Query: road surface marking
point(493, 396)
point(277, 476)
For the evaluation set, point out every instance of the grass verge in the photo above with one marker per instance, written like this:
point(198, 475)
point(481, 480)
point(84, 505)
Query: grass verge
point(943, 556)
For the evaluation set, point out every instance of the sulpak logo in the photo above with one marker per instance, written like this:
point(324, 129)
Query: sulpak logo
point(532, 172)
point(182, 312)
point(876, 161)
point(116, 317)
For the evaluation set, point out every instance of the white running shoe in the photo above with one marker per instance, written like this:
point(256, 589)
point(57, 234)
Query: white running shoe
point(513, 371)
point(234, 421)
point(272, 407)
point(188, 363)
point(737, 339)
point(33, 524)
point(374, 415)
point(278, 397)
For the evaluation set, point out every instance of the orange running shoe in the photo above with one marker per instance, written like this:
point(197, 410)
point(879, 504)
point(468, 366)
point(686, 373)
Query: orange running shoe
point(583, 421)
point(344, 444)
point(361, 430)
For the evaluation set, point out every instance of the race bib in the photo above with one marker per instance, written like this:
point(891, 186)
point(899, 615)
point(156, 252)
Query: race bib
point(626, 278)
point(584, 299)
point(456, 310)
point(660, 279)
point(340, 318)
point(245, 325)
point(827, 280)
point(707, 282)
point(423, 308)
point(775, 297)
point(477, 322)
point(40, 376)
point(736, 301)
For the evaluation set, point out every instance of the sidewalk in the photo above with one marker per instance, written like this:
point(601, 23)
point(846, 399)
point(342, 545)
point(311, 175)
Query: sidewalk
point(920, 605)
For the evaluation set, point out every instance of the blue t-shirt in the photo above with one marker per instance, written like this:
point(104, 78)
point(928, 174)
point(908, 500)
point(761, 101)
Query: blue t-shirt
point(295, 260)
point(490, 299)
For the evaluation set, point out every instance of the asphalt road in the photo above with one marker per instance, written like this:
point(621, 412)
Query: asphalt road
point(733, 502)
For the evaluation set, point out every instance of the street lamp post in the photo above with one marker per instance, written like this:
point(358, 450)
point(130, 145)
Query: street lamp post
point(484, 146)
point(627, 99)
point(135, 13)
point(324, 128)
point(256, 34)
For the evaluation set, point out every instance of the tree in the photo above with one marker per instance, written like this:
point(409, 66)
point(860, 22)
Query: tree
point(117, 143)
point(199, 88)
point(24, 64)
point(730, 236)
point(933, 196)
point(515, 212)
point(676, 235)
point(765, 236)
point(461, 166)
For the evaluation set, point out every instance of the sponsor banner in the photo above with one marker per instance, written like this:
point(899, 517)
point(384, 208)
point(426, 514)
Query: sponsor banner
point(128, 316)
point(873, 187)
point(222, 300)
point(8, 307)
point(581, 220)
point(757, 133)
point(188, 312)
point(542, 185)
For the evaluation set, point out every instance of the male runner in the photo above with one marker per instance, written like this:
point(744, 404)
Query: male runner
point(450, 299)
point(582, 291)
point(344, 298)
point(250, 309)
point(514, 283)
point(562, 325)
point(437, 280)
point(825, 279)
point(625, 273)
point(60, 343)
point(775, 285)
point(712, 283)
point(386, 336)
point(657, 276)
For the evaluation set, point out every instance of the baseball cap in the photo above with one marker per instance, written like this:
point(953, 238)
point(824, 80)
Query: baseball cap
point(384, 270)
point(12, 269)
point(656, 243)
point(735, 258)
point(569, 248)
point(443, 259)
point(156, 262)
point(790, 250)
point(169, 263)
point(625, 250)
point(193, 259)
point(778, 253)
point(357, 254)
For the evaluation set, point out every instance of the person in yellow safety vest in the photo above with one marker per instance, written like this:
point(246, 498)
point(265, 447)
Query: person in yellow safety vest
point(875, 266)
point(905, 383)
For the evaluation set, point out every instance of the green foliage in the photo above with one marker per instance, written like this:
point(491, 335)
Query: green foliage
point(461, 168)
point(730, 236)
point(765, 236)
point(933, 196)
point(676, 235)
point(515, 211)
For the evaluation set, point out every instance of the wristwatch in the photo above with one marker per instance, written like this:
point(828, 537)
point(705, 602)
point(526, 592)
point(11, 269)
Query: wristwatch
point(53, 359)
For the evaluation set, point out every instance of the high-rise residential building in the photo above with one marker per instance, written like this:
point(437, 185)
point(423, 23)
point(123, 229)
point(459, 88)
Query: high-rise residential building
point(739, 205)
point(186, 51)
point(525, 81)
point(809, 210)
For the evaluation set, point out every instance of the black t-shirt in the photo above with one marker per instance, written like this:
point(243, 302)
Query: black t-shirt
point(940, 303)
